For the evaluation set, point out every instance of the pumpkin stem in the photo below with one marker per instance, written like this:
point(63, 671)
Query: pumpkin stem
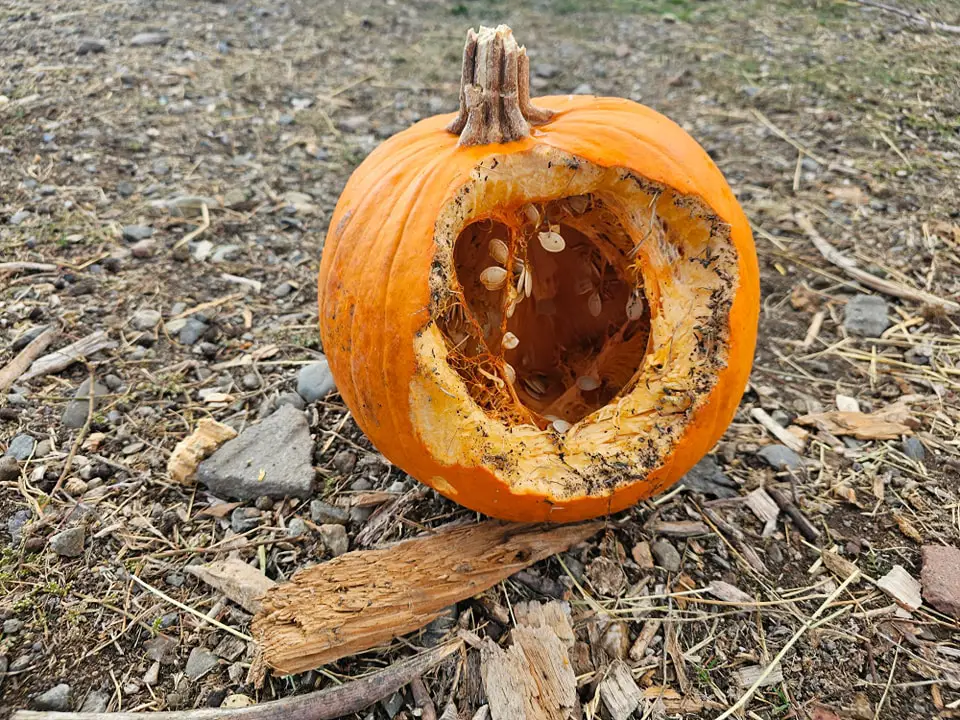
point(495, 102)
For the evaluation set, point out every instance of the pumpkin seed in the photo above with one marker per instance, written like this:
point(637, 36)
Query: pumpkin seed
point(587, 383)
point(534, 387)
point(552, 241)
point(528, 282)
point(510, 341)
point(511, 308)
point(578, 204)
point(509, 373)
point(531, 213)
point(561, 426)
point(499, 251)
point(493, 278)
point(635, 306)
point(583, 286)
point(595, 304)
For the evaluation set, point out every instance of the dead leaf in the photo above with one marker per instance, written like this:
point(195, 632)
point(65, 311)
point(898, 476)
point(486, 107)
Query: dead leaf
point(220, 510)
point(243, 584)
point(189, 452)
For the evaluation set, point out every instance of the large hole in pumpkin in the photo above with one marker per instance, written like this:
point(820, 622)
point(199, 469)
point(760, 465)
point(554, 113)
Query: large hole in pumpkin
point(552, 323)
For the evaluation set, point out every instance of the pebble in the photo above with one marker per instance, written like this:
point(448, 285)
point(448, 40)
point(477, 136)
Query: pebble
point(250, 381)
point(345, 461)
point(296, 527)
point(21, 663)
point(913, 448)
point(9, 468)
point(27, 337)
point(133, 233)
point(95, 702)
point(292, 399)
point(75, 414)
point(174, 579)
point(392, 705)
point(43, 449)
point(244, 519)
point(200, 662)
point(19, 217)
point(666, 555)
point(866, 316)
point(21, 447)
point(940, 579)
point(323, 513)
point(161, 649)
point(249, 465)
point(16, 523)
point(56, 698)
point(283, 289)
point(780, 457)
point(125, 188)
point(113, 382)
point(335, 539)
point(143, 248)
point(90, 45)
point(68, 543)
point(146, 39)
point(12, 626)
point(707, 478)
point(191, 331)
point(264, 503)
point(315, 381)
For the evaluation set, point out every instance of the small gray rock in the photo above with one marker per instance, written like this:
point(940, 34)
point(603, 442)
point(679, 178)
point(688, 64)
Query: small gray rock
point(200, 662)
point(21, 447)
point(95, 702)
point(146, 39)
point(335, 539)
point(315, 381)
point(250, 465)
point(292, 399)
point(143, 249)
point(707, 478)
point(191, 331)
point(244, 519)
point(161, 649)
point(345, 461)
point(125, 188)
point(323, 513)
point(16, 523)
point(90, 45)
point(19, 217)
point(866, 316)
point(914, 449)
point(250, 381)
point(145, 319)
point(391, 705)
point(152, 676)
point(27, 337)
point(174, 579)
point(12, 626)
point(21, 663)
point(68, 543)
point(665, 555)
point(264, 503)
point(75, 414)
point(296, 527)
point(134, 233)
point(113, 382)
point(56, 698)
point(9, 468)
point(780, 457)
point(283, 289)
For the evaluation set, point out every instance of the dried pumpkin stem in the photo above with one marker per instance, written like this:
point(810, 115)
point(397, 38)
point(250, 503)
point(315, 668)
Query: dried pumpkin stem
point(495, 102)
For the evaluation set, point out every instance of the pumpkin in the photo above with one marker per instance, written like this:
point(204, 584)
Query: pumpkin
point(544, 309)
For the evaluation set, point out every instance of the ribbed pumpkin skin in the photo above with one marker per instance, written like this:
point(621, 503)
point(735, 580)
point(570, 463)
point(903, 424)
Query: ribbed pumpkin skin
point(374, 294)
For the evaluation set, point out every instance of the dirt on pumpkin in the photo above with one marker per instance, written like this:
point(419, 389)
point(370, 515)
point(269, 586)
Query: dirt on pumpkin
point(167, 172)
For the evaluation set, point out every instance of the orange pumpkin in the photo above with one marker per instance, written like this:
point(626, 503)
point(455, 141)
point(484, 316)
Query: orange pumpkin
point(545, 310)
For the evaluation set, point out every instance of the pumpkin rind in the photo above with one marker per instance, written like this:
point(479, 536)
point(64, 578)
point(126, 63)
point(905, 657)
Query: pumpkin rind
point(374, 293)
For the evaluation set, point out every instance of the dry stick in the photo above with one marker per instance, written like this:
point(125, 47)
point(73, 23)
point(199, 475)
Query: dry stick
point(91, 403)
point(16, 367)
point(806, 528)
point(910, 16)
point(428, 711)
point(205, 223)
point(790, 643)
point(65, 357)
point(849, 266)
point(14, 267)
point(327, 704)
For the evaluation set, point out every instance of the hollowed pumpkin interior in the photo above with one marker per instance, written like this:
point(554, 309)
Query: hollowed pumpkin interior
point(554, 318)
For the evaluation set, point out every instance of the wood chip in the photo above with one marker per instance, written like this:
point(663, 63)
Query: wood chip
point(673, 702)
point(902, 587)
point(642, 556)
point(766, 510)
point(200, 444)
point(839, 565)
point(728, 593)
point(777, 430)
point(619, 692)
point(554, 615)
point(242, 583)
point(65, 357)
point(366, 598)
point(647, 633)
point(907, 528)
point(679, 528)
point(747, 676)
point(881, 425)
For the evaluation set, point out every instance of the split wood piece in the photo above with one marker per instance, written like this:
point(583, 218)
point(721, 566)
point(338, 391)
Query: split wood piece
point(196, 447)
point(750, 674)
point(16, 367)
point(678, 528)
point(366, 598)
point(619, 692)
point(647, 633)
point(533, 679)
point(849, 266)
point(766, 510)
point(65, 357)
point(880, 425)
point(495, 102)
point(242, 583)
point(328, 704)
point(806, 528)
point(777, 430)
point(673, 703)
point(902, 587)
point(15, 267)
